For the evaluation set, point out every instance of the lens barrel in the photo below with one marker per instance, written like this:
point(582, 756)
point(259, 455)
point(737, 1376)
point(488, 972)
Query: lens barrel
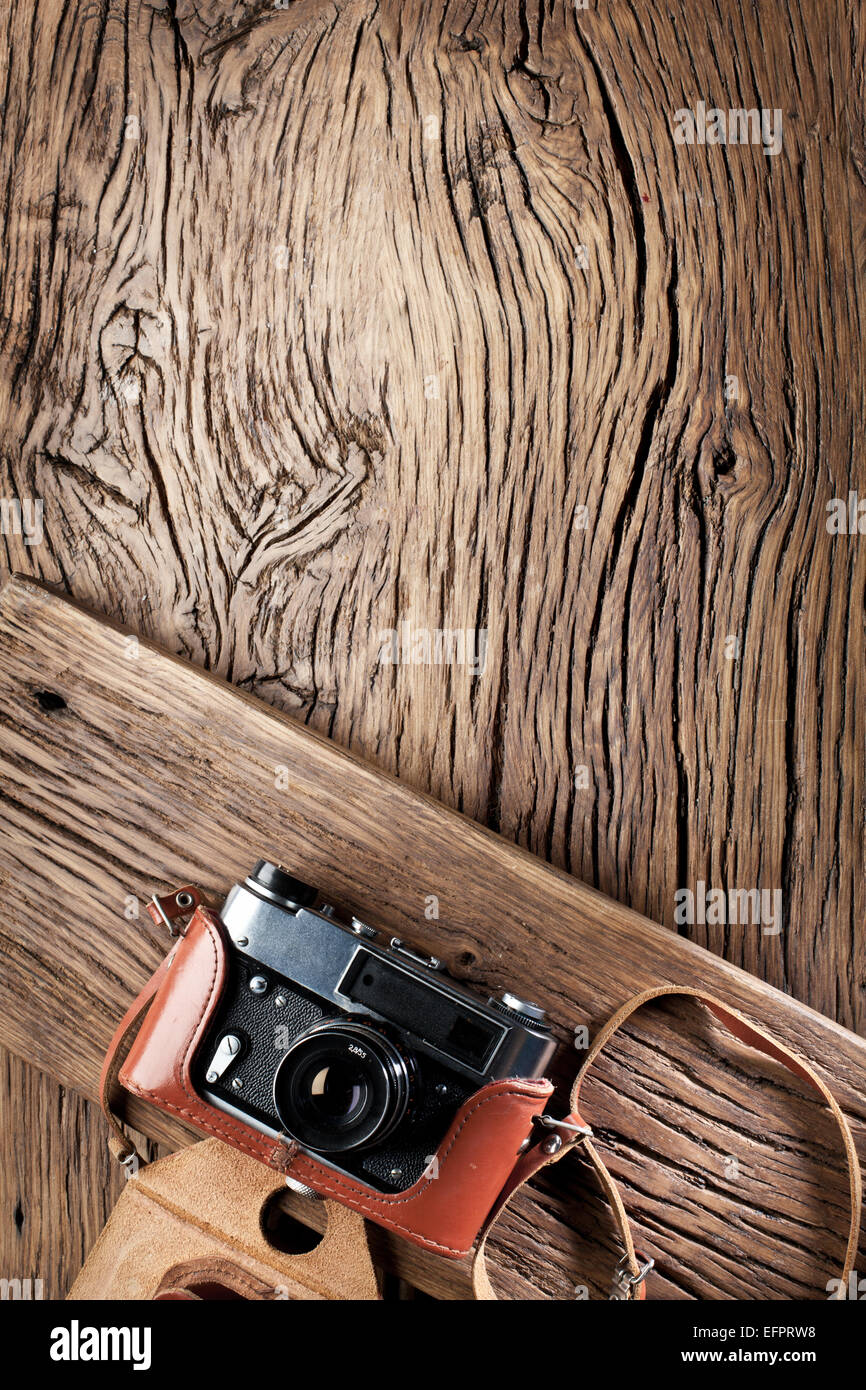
point(341, 1086)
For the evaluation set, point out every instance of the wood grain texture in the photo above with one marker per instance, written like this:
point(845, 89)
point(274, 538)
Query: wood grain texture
point(148, 769)
point(58, 1182)
point(321, 317)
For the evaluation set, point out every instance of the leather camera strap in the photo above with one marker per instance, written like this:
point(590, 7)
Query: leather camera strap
point(561, 1137)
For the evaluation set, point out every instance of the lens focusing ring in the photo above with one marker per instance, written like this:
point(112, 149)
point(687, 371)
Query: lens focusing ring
point(341, 1086)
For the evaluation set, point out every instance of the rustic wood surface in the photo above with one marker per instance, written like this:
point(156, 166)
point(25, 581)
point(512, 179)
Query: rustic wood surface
point(120, 772)
point(321, 317)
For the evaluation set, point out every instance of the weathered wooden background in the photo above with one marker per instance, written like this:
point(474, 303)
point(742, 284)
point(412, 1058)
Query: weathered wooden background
point(319, 318)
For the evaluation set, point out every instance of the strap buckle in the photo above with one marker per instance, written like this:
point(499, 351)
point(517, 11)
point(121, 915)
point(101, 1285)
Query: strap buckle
point(553, 1143)
point(130, 1164)
point(626, 1284)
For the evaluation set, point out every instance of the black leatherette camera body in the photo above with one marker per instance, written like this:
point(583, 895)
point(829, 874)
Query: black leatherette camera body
point(299, 978)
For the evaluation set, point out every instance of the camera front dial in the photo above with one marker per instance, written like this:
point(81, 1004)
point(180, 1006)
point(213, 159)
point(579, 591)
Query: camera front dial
point(341, 1086)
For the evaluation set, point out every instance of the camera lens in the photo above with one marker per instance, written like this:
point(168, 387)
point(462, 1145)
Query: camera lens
point(341, 1086)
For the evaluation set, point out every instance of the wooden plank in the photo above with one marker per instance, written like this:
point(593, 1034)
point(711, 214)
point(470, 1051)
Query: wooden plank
point(125, 768)
point(321, 317)
point(236, 251)
point(58, 1183)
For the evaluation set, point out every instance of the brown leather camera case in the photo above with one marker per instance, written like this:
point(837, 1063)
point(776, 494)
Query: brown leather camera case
point(443, 1211)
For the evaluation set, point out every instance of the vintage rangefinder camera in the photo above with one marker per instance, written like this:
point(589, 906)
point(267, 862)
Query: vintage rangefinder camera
point(358, 1048)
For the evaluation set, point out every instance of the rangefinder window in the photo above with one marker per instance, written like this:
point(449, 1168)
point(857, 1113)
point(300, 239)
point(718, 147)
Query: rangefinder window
point(421, 1009)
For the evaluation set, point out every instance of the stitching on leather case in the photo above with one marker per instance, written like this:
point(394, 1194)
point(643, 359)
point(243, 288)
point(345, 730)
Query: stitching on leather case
point(332, 1185)
point(115, 1066)
point(238, 1277)
point(194, 1115)
point(232, 1129)
point(398, 1200)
